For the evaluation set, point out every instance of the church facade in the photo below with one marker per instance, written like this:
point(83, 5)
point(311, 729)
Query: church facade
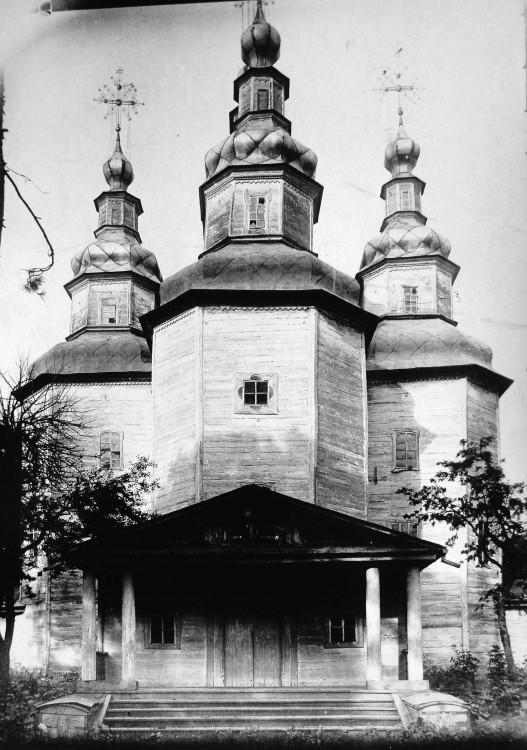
point(284, 403)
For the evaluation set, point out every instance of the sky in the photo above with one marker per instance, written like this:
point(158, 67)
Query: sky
point(465, 59)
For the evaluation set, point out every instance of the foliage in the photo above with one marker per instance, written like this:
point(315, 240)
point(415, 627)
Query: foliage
point(493, 511)
point(496, 694)
point(27, 689)
point(50, 499)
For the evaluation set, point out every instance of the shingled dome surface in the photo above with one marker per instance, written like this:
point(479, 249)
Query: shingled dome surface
point(260, 266)
point(424, 342)
point(95, 353)
point(119, 254)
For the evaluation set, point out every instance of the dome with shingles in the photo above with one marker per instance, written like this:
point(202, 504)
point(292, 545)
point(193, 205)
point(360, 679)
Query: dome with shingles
point(260, 266)
point(424, 342)
point(116, 254)
point(95, 353)
point(267, 146)
point(405, 238)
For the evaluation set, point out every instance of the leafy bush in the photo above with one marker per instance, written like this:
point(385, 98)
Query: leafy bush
point(27, 689)
point(503, 691)
point(459, 678)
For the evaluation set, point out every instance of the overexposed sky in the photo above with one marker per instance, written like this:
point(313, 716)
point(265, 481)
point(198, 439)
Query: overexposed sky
point(466, 58)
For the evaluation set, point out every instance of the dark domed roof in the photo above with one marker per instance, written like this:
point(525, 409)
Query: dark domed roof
point(96, 353)
point(118, 170)
point(116, 253)
point(424, 342)
point(402, 238)
point(260, 266)
point(260, 42)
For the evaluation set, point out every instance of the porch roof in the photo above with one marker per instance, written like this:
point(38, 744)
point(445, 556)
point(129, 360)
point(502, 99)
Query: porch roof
point(256, 524)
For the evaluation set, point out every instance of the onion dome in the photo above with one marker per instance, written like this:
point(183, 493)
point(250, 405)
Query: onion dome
point(402, 153)
point(260, 42)
point(118, 254)
point(424, 342)
point(404, 238)
point(269, 146)
point(120, 352)
point(260, 266)
point(118, 171)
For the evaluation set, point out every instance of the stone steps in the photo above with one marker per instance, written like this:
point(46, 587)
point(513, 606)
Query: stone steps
point(249, 709)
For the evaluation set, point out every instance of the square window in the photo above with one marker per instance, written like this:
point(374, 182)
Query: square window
point(405, 450)
point(256, 394)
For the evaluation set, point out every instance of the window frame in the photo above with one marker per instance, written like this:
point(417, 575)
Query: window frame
point(413, 299)
point(344, 611)
point(111, 433)
point(256, 410)
point(395, 434)
point(262, 199)
point(163, 612)
point(106, 302)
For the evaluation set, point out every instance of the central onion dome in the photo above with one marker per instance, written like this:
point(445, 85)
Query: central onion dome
point(260, 134)
point(260, 42)
point(269, 146)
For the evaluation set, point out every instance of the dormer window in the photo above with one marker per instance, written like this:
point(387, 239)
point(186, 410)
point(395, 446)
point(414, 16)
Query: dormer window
point(410, 299)
point(109, 311)
point(256, 214)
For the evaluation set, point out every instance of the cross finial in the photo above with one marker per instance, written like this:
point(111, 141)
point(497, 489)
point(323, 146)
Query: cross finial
point(117, 96)
point(250, 9)
point(391, 82)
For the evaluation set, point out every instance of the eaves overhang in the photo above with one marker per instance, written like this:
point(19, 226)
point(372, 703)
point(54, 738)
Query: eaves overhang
point(431, 258)
point(476, 373)
point(206, 297)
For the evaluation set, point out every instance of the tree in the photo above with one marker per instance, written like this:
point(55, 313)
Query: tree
point(50, 500)
point(495, 513)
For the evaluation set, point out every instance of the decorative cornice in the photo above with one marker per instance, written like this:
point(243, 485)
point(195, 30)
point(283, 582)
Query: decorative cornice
point(476, 373)
point(175, 320)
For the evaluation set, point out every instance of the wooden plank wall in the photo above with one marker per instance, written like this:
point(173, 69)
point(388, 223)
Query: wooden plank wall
point(482, 421)
point(175, 389)
point(341, 417)
point(65, 619)
point(437, 408)
point(517, 624)
point(244, 448)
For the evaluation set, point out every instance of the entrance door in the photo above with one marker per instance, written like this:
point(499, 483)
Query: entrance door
point(253, 640)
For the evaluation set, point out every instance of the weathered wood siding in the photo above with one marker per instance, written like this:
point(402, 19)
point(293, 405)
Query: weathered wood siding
point(482, 421)
point(341, 417)
point(517, 624)
point(65, 619)
point(117, 407)
point(298, 221)
point(175, 383)
point(262, 448)
point(437, 408)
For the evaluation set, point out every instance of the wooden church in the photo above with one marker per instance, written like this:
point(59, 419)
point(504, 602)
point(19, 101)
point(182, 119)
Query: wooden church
point(284, 403)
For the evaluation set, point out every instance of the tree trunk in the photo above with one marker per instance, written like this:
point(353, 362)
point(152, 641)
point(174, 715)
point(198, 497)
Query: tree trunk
point(504, 633)
point(6, 641)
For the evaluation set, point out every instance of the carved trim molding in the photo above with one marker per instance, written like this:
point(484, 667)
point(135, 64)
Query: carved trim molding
point(227, 308)
point(107, 383)
point(175, 320)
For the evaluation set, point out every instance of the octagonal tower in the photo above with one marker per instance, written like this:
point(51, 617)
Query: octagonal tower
point(259, 346)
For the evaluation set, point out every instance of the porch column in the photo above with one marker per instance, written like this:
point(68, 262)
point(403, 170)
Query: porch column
point(89, 627)
point(128, 628)
point(413, 603)
point(373, 625)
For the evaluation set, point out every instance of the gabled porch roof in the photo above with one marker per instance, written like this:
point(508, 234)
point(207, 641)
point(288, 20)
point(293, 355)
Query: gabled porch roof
point(256, 524)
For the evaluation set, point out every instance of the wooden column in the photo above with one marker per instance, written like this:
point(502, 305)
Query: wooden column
point(373, 625)
point(128, 628)
point(413, 603)
point(89, 627)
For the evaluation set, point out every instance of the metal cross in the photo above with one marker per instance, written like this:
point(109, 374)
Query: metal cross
point(121, 95)
point(391, 82)
point(248, 8)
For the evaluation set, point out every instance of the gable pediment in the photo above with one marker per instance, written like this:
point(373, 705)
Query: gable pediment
point(254, 522)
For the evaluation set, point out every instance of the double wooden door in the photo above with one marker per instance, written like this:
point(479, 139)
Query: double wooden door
point(257, 647)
